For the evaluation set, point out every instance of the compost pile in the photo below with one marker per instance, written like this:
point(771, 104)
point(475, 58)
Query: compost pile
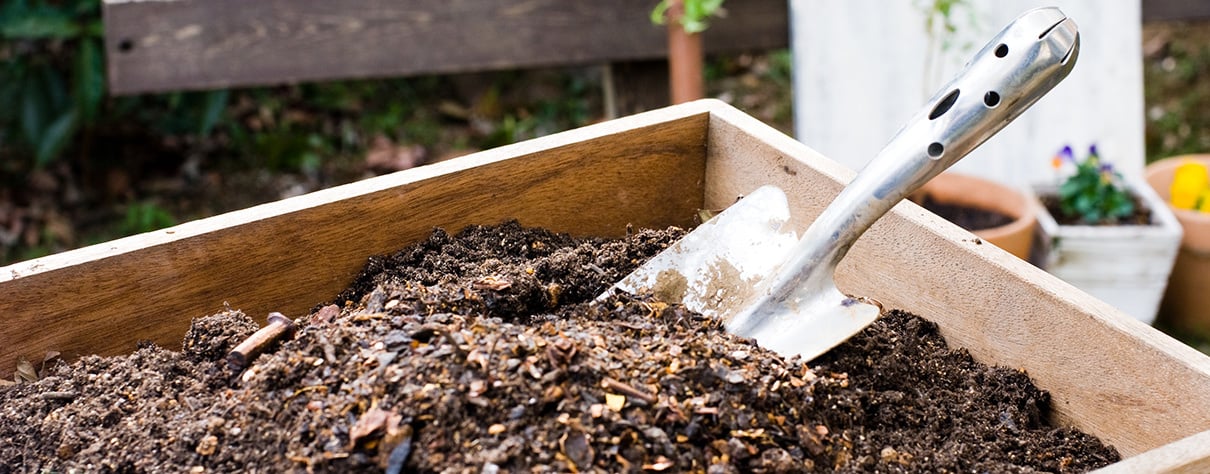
point(483, 352)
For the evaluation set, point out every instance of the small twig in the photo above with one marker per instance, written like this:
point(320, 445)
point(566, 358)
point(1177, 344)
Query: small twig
point(491, 351)
point(308, 388)
point(627, 389)
point(594, 267)
point(440, 331)
point(64, 395)
point(279, 326)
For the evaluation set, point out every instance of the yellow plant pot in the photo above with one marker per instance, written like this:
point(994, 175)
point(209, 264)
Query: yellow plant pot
point(1186, 303)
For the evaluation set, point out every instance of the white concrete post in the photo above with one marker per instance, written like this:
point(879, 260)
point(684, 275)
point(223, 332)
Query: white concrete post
point(859, 74)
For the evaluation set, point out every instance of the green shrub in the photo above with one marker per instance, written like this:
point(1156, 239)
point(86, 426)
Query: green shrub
point(50, 94)
point(696, 17)
point(53, 89)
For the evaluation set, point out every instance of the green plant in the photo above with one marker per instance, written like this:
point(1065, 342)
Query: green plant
point(696, 16)
point(1094, 193)
point(53, 90)
point(939, 15)
point(1176, 89)
point(940, 24)
point(146, 217)
point(50, 95)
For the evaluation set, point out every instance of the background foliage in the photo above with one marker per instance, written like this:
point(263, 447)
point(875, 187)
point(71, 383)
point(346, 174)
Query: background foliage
point(78, 166)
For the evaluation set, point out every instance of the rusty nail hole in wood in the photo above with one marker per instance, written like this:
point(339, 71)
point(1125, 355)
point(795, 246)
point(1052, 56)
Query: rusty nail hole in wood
point(279, 326)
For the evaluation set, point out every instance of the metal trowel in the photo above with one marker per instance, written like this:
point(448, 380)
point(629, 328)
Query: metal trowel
point(766, 283)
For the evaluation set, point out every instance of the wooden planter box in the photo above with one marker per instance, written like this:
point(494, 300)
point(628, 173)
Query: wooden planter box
point(1109, 374)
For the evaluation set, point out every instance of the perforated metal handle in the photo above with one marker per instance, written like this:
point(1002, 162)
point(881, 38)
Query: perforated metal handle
point(1016, 68)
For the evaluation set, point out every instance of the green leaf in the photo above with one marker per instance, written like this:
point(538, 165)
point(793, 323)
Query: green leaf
point(146, 217)
point(34, 109)
point(58, 95)
point(12, 90)
point(93, 29)
point(215, 104)
point(697, 14)
point(693, 26)
point(87, 7)
point(660, 12)
point(38, 23)
point(55, 138)
point(89, 84)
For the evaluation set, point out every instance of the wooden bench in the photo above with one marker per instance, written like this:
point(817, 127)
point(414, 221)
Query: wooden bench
point(155, 46)
point(169, 45)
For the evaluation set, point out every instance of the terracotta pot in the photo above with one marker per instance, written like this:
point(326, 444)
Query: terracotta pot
point(1186, 303)
point(977, 193)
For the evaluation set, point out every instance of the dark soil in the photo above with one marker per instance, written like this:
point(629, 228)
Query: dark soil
point(968, 218)
point(1141, 216)
point(483, 352)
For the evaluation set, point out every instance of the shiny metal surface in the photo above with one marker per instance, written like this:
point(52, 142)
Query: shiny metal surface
point(795, 312)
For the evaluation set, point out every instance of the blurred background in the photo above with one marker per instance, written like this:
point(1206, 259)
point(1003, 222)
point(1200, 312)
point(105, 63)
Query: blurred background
point(128, 116)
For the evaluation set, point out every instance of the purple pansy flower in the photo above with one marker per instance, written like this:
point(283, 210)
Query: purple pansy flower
point(1067, 154)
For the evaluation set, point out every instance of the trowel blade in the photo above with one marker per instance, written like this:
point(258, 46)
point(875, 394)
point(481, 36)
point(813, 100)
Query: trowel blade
point(722, 270)
point(717, 268)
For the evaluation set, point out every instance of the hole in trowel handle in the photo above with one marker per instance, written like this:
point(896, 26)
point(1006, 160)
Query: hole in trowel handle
point(991, 99)
point(945, 104)
point(935, 150)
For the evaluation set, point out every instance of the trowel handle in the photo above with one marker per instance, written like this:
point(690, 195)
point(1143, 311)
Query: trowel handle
point(1021, 64)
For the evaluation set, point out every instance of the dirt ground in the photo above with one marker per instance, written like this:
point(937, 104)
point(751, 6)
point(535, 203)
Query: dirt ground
point(486, 352)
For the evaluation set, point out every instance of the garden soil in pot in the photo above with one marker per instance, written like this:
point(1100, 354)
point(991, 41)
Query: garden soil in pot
point(968, 218)
point(483, 352)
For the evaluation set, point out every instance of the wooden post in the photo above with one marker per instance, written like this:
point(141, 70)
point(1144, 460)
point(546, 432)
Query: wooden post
point(684, 58)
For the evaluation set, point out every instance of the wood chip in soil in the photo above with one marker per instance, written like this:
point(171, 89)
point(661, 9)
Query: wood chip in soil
point(484, 352)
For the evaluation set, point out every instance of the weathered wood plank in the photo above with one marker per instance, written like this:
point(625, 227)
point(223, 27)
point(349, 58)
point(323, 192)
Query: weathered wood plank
point(640, 86)
point(1190, 455)
point(191, 44)
point(1108, 373)
point(1170, 10)
point(290, 255)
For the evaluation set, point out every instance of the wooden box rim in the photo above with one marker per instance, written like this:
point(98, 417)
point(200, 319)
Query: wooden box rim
point(1108, 374)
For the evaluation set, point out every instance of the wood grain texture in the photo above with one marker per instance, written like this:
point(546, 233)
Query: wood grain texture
point(640, 86)
point(291, 255)
point(1175, 10)
point(1187, 456)
point(1108, 373)
point(194, 44)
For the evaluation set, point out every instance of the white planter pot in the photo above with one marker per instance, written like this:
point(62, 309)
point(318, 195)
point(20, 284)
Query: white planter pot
point(1125, 266)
